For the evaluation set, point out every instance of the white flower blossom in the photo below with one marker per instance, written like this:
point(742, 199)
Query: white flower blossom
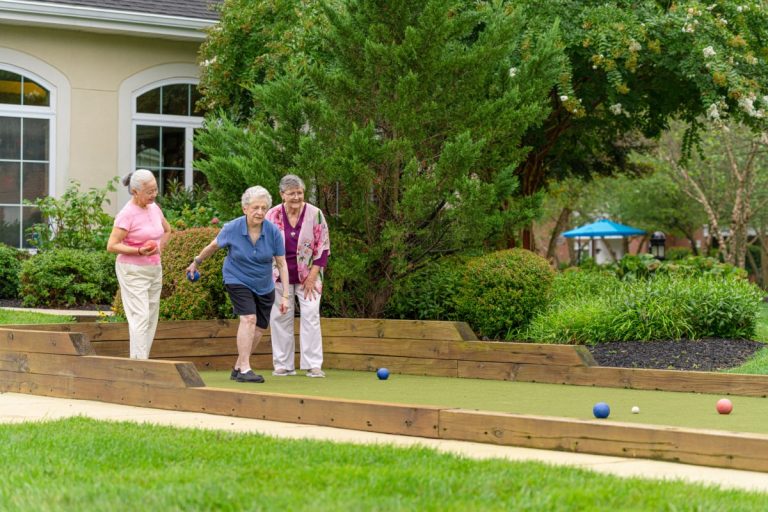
point(765, 100)
point(616, 109)
point(563, 98)
point(739, 8)
point(207, 62)
point(710, 7)
point(709, 52)
point(634, 46)
point(747, 104)
point(688, 28)
point(751, 59)
point(713, 113)
point(512, 72)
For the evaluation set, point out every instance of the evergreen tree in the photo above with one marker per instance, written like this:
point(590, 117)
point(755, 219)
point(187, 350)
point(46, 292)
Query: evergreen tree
point(407, 124)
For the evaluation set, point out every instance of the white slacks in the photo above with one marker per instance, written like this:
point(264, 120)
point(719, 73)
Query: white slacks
point(281, 330)
point(140, 287)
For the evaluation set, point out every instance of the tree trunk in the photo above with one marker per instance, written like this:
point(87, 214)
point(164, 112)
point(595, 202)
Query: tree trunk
point(562, 222)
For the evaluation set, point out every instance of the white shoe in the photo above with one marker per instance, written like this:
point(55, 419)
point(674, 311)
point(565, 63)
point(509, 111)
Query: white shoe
point(315, 372)
point(282, 372)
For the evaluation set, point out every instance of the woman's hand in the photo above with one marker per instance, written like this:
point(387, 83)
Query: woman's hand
point(283, 305)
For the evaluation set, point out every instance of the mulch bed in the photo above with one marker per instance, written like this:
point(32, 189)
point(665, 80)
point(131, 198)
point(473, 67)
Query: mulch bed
point(709, 354)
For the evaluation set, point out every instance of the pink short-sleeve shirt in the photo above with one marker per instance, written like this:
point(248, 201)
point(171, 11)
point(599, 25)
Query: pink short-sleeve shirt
point(142, 225)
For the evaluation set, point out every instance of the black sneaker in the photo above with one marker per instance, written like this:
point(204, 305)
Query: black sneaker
point(234, 374)
point(249, 376)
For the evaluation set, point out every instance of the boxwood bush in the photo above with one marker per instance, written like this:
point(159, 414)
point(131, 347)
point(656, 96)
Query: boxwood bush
point(182, 299)
point(67, 278)
point(10, 267)
point(430, 292)
point(501, 291)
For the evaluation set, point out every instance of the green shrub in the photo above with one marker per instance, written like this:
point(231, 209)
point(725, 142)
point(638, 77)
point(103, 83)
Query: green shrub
point(576, 283)
point(182, 299)
point(10, 267)
point(188, 208)
point(76, 220)
point(501, 291)
point(677, 253)
point(664, 307)
point(430, 292)
point(68, 277)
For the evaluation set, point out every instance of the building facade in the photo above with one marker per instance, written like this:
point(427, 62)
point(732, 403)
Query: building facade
point(90, 90)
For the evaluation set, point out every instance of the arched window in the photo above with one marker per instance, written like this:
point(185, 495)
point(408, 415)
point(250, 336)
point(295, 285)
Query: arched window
point(26, 123)
point(164, 118)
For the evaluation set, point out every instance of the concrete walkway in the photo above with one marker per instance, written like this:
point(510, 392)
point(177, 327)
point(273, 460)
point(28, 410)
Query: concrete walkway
point(16, 408)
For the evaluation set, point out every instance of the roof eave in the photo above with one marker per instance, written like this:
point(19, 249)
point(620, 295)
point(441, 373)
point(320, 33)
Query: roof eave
point(90, 19)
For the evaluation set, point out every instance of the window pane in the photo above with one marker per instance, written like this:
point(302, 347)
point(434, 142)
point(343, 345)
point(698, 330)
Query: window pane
point(35, 139)
point(197, 107)
point(31, 216)
point(9, 225)
point(148, 147)
point(10, 188)
point(173, 147)
point(35, 181)
point(176, 100)
point(149, 102)
point(35, 94)
point(10, 88)
point(10, 138)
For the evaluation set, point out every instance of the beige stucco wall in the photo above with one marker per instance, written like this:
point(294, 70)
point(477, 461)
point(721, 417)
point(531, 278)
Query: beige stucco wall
point(96, 65)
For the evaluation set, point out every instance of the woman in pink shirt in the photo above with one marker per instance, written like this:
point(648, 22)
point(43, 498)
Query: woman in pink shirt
point(139, 234)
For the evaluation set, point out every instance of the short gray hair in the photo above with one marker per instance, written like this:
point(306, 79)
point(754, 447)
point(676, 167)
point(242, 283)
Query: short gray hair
point(137, 179)
point(291, 181)
point(253, 193)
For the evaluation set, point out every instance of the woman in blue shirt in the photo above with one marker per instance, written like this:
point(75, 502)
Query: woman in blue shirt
point(252, 244)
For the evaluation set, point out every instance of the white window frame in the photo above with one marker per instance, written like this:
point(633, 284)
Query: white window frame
point(128, 118)
point(35, 112)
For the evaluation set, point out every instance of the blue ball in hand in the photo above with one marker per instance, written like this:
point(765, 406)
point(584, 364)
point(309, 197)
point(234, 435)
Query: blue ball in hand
point(193, 276)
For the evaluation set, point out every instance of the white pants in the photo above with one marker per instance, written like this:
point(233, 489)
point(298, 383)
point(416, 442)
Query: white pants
point(310, 336)
point(140, 287)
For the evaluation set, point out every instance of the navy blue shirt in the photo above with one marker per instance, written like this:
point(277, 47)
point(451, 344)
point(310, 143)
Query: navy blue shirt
point(247, 263)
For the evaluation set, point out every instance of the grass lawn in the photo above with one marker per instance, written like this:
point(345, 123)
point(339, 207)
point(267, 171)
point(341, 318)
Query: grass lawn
point(8, 316)
point(83, 464)
point(759, 363)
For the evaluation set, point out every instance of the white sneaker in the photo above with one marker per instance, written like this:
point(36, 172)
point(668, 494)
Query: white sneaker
point(315, 372)
point(282, 372)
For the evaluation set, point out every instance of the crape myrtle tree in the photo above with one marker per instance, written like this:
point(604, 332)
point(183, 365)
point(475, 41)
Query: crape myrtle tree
point(405, 119)
point(633, 67)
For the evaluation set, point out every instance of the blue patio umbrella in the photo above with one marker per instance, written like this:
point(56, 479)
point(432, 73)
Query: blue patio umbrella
point(600, 229)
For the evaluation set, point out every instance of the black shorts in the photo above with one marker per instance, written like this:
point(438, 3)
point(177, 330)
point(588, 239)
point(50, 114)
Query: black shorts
point(245, 302)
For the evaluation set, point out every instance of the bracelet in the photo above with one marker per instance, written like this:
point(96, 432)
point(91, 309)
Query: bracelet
point(197, 260)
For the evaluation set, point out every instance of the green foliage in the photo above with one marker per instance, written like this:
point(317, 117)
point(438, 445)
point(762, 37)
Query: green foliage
point(188, 208)
point(181, 298)
point(76, 220)
point(405, 118)
point(68, 277)
point(501, 291)
point(677, 253)
point(10, 267)
point(666, 306)
point(635, 66)
point(429, 293)
point(644, 265)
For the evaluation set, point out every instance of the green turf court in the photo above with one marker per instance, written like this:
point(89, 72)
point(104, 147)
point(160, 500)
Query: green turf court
point(656, 407)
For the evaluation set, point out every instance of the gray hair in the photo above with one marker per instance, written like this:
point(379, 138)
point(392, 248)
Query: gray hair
point(137, 179)
point(253, 193)
point(291, 181)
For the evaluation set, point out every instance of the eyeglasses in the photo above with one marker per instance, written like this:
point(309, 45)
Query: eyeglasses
point(295, 193)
